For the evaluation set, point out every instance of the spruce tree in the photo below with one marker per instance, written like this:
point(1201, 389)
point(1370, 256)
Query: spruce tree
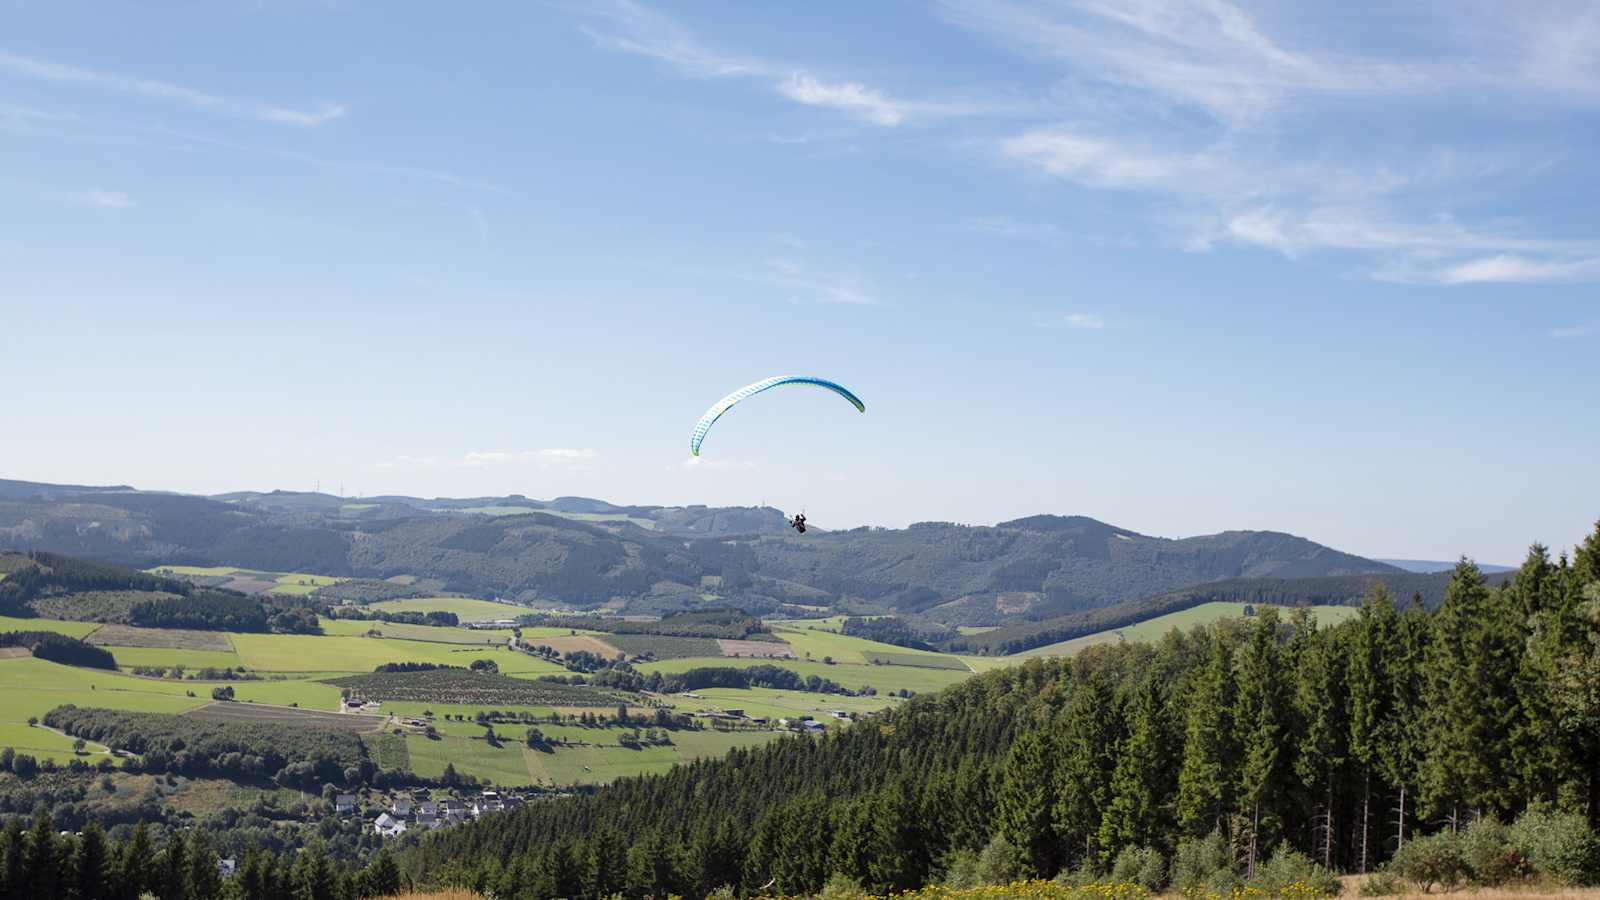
point(1024, 802)
point(1370, 706)
point(1204, 776)
point(1087, 744)
point(1137, 814)
point(13, 883)
point(135, 869)
point(1322, 734)
point(173, 870)
point(41, 858)
point(204, 878)
point(1258, 719)
point(93, 863)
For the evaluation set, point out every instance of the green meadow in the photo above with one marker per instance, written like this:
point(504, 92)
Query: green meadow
point(468, 609)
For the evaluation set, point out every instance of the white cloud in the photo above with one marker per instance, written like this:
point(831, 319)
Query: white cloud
point(641, 31)
point(1579, 331)
point(100, 198)
point(818, 285)
point(1501, 268)
point(44, 70)
point(1089, 321)
point(706, 464)
point(477, 459)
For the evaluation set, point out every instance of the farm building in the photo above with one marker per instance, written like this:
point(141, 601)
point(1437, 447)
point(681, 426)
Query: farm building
point(387, 826)
point(344, 804)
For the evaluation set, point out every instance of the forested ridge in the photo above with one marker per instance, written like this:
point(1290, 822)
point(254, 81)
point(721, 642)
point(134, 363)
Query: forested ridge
point(1342, 743)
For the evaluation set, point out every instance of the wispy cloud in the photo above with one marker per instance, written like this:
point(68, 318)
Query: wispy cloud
point(633, 28)
point(1089, 321)
point(709, 464)
point(99, 198)
point(1579, 331)
point(45, 70)
point(478, 459)
point(810, 283)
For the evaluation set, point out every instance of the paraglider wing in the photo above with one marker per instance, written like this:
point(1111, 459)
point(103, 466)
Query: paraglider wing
point(750, 390)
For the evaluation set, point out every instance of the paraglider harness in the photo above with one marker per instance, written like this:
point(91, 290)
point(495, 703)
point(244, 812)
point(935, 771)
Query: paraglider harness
point(798, 523)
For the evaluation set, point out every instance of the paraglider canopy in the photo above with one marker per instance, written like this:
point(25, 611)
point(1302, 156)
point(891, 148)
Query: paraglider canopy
point(750, 390)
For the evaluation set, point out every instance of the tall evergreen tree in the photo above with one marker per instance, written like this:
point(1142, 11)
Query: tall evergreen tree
point(93, 863)
point(205, 880)
point(1258, 718)
point(1087, 745)
point(1138, 813)
point(1203, 778)
point(13, 856)
point(1024, 802)
point(1370, 702)
point(1321, 734)
point(41, 858)
point(173, 869)
point(135, 869)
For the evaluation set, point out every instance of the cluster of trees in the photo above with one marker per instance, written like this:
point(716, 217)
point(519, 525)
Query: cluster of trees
point(292, 755)
point(1326, 590)
point(60, 648)
point(434, 617)
point(412, 667)
point(898, 631)
point(726, 624)
point(1344, 744)
point(37, 863)
point(152, 601)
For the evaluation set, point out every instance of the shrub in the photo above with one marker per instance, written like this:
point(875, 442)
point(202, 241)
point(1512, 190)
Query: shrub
point(1197, 862)
point(1557, 845)
point(1144, 866)
point(997, 863)
point(1486, 844)
point(1436, 859)
point(1291, 867)
point(841, 887)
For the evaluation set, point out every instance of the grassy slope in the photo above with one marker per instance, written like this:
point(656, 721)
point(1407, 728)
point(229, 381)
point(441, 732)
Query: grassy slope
point(465, 607)
point(70, 629)
point(1152, 630)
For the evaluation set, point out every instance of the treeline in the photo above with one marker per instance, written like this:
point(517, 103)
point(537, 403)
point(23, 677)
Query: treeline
point(171, 603)
point(899, 631)
point(1330, 590)
point(38, 863)
point(1260, 737)
point(433, 617)
point(626, 678)
point(60, 648)
point(724, 624)
point(292, 755)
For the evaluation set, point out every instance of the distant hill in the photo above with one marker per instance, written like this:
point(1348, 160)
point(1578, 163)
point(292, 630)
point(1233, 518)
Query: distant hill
point(1433, 565)
point(649, 559)
point(1337, 590)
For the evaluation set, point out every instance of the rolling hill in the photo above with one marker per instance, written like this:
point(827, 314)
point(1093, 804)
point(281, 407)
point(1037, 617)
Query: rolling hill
point(588, 553)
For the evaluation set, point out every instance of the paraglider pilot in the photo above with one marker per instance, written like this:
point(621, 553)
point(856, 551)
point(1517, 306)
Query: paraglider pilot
point(798, 523)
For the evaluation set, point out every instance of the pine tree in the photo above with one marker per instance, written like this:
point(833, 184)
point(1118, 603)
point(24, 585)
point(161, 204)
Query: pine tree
point(1322, 733)
point(13, 881)
point(383, 876)
point(204, 878)
point(1087, 743)
point(173, 869)
point(606, 863)
point(1471, 664)
point(41, 858)
point(1024, 802)
point(1258, 718)
point(92, 864)
point(1203, 777)
point(900, 858)
point(1370, 705)
point(314, 877)
point(135, 874)
point(1141, 784)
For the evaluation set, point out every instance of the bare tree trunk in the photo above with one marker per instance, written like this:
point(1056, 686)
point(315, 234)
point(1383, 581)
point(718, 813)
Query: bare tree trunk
point(1327, 834)
point(1366, 805)
point(1402, 821)
point(1255, 835)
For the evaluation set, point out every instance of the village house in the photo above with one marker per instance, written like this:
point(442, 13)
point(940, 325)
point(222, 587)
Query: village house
point(401, 808)
point(387, 826)
point(226, 867)
point(344, 804)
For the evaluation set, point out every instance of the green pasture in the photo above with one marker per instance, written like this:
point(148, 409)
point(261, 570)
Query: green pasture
point(32, 687)
point(42, 742)
point(465, 607)
point(1152, 630)
point(302, 693)
point(884, 678)
point(438, 634)
point(195, 570)
point(775, 704)
point(1071, 647)
point(167, 657)
point(345, 653)
point(70, 629)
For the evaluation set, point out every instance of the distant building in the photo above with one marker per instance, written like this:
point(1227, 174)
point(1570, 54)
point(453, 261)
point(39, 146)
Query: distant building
point(813, 727)
point(226, 867)
point(387, 826)
point(427, 808)
point(344, 804)
point(401, 808)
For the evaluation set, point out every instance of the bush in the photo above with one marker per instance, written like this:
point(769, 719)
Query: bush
point(1383, 883)
point(1487, 846)
point(841, 887)
point(997, 863)
point(1558, 846)
point(1436, 859)
point(1289, 867)
point(1144, 866)
point(1198, 862)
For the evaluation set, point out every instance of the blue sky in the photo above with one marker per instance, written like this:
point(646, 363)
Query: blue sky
point(1183, 266)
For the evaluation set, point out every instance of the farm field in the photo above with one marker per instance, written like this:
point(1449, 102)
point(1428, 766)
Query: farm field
point(1155, 629)
point(173, 638)
point(166, 658)
point(775, 704)
point(32, 687)
point(42, 742)
point(883, 678)
point(280, 715)
point(601, 765)
point(344, 653)
point(402, 631)
point(70, 629)
point(468, 609)
point(568, 643)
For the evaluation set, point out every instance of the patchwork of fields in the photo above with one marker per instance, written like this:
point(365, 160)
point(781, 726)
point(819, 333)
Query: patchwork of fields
point(298, 679)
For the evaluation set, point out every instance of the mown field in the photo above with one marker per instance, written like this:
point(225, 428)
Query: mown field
point(1155, 629)
point(468, 609)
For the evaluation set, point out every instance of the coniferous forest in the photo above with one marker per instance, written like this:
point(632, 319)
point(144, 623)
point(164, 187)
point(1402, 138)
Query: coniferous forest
point(1243, 741)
